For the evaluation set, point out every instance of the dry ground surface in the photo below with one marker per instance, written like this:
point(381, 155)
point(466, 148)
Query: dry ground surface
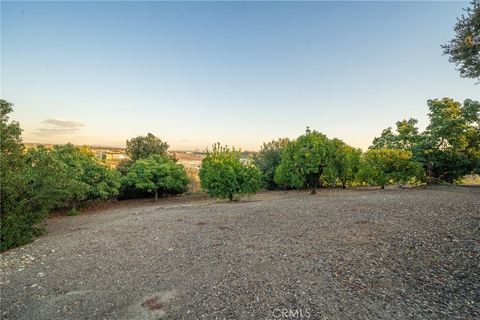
point(341, 254)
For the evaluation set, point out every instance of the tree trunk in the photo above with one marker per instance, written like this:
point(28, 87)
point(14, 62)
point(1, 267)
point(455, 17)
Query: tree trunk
point(156, 194)
point(230, 197)
point(344, 185)
point(429, 174)
point(314, 188)
point(383, 186)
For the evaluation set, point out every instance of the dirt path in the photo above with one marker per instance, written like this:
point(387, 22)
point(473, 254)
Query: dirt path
point(342, 254)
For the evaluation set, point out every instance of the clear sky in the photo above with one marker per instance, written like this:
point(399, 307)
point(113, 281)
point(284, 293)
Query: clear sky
point(194, 73)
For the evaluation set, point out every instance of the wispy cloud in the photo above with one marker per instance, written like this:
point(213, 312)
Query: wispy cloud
point(122, 108)
point(59, 127)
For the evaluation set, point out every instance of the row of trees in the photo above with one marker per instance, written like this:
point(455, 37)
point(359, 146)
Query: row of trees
point(313, 159)
point(38, 180)
point(446, 151)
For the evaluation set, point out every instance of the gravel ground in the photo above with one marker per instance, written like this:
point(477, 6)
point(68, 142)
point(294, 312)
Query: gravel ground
point(341, 254)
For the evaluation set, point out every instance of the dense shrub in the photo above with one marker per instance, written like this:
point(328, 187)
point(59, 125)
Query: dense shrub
point(36, 181)
point(19, 217)
point(89, 179)
point(224, 175)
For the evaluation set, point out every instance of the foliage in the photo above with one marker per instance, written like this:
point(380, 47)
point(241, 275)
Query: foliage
point(268, 159)
point(304, 160)
point(385, 166)
point(31, 185)
point(18, 223)
point(224, 175)
point(143, 147)
point(449, 148)
point(89, 179)
point(405, 137)
point(344, 163)
point(464, 49)
point(157, 174)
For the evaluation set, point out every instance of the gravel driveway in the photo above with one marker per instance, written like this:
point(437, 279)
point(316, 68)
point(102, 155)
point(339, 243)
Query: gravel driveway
point(341, 254)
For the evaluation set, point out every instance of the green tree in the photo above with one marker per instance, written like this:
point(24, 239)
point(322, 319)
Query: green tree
point(385, 166)
point(344, 163)
point(224, 175)
point(158, 175)
point(449, 148)
point(304, 160)
point(89, 178)
point(268, 159)
point(143, 147)
point(18, 223)
point(47, 177)
point(464, 49)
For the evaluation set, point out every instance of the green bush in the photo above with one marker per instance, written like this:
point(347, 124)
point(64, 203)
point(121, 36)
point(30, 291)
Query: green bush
point(156, 174)
point(224, 175)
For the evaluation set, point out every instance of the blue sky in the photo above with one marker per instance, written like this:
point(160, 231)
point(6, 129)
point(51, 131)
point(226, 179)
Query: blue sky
point(240, 73)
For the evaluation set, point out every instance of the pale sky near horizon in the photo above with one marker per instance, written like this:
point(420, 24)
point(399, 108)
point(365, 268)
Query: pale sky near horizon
point(194, 73)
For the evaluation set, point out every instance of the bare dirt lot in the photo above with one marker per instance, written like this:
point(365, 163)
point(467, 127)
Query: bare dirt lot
point(341, 254)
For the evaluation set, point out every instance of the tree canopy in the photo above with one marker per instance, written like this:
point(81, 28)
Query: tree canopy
point(344, 163)
point(464, 48)
point(385, 166)
point(449, 148)
point(157, 174)
point(223, 174)
point(304, 160)
point(144, 146)
point(405, 137)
